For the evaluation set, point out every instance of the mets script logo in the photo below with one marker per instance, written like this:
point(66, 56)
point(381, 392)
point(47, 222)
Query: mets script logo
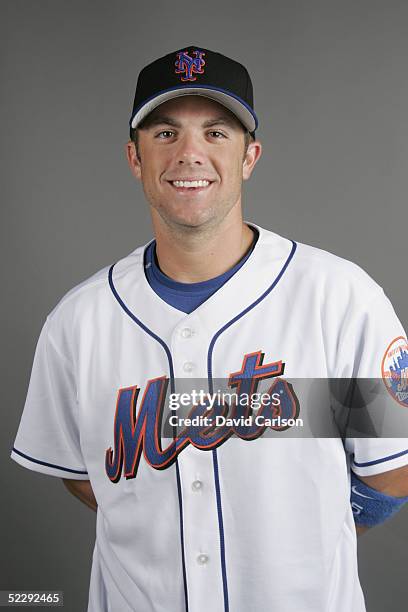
point(137, 431)
point(394, 369)
point(189, 66)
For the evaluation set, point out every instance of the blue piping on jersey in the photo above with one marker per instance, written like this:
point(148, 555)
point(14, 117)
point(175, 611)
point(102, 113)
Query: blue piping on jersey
point(221, 529)
point(57, 467)
point(172, 387)
point(214, 451)
point(146, 329)
point(376, 461)
point(241, 314)
point(180, 498)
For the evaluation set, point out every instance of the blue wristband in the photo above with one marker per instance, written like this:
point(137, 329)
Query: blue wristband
point(371, 507)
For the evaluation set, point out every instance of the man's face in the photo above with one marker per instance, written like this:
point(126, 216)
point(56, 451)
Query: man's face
point(192, 138)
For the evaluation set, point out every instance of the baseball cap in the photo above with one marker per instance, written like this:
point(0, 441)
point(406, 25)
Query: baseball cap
point(193, 70)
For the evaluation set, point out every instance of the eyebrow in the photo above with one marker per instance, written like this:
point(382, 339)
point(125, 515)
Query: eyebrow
point(165, 120)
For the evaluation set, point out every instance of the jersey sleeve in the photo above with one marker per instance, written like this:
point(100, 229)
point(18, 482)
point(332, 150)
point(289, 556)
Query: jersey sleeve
point(374, 353)
point(48, 437)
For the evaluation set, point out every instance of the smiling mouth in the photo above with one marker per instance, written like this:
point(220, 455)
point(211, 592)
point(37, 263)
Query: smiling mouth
point(190, 186)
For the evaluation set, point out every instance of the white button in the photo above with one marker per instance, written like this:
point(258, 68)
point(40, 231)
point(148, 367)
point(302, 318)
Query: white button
point(202, 559)
point(197, 485)
point(186, 332)
point(188, 366)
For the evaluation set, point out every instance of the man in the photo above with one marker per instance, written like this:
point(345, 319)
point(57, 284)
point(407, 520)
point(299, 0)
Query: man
point(236, 517)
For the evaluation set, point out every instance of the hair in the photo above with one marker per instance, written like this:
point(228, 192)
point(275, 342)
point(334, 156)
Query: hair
point(144, 124)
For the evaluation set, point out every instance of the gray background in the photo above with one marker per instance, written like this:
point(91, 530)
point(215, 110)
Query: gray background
point(331, 94)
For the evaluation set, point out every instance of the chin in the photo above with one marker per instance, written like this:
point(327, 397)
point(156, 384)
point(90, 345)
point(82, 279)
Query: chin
point(192, 218)
point(190, 222)
point(193, 221)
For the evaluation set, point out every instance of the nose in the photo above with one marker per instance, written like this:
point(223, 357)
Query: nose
point(190, 151)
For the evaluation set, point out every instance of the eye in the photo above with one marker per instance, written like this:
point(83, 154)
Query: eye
point(218, 134)
point(162, 134)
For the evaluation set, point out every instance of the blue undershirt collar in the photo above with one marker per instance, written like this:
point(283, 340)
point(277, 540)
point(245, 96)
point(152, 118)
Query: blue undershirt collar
point(186, 296)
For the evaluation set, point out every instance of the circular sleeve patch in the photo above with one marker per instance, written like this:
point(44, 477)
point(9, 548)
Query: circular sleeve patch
point(394, 370)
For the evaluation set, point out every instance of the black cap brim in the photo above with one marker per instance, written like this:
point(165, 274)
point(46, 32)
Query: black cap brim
point(233, 103)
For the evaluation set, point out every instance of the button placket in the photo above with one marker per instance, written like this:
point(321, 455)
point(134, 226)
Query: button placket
point(201, 528)
point(189, 346)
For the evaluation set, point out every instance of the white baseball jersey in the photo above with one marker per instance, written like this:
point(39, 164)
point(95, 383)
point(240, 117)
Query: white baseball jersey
point(241, 525)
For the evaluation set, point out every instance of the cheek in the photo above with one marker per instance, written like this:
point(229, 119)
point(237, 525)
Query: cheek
point(151, 174)
point(233, 173)
point(228, 168)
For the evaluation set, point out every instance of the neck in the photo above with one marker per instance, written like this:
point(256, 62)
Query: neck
point(194, 256)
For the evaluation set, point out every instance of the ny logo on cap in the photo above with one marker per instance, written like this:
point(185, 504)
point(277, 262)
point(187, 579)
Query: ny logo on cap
point(188, 66)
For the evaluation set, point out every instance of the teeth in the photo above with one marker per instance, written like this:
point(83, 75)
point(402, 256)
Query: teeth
point(191, 183)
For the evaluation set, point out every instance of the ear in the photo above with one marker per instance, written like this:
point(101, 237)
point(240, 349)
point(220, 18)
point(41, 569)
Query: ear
point(252, 155)
point(133, 160)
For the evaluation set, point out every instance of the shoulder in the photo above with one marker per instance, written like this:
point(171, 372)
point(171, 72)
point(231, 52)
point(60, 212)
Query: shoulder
point(319, 270)
point(321, 266)
point(93, 296)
